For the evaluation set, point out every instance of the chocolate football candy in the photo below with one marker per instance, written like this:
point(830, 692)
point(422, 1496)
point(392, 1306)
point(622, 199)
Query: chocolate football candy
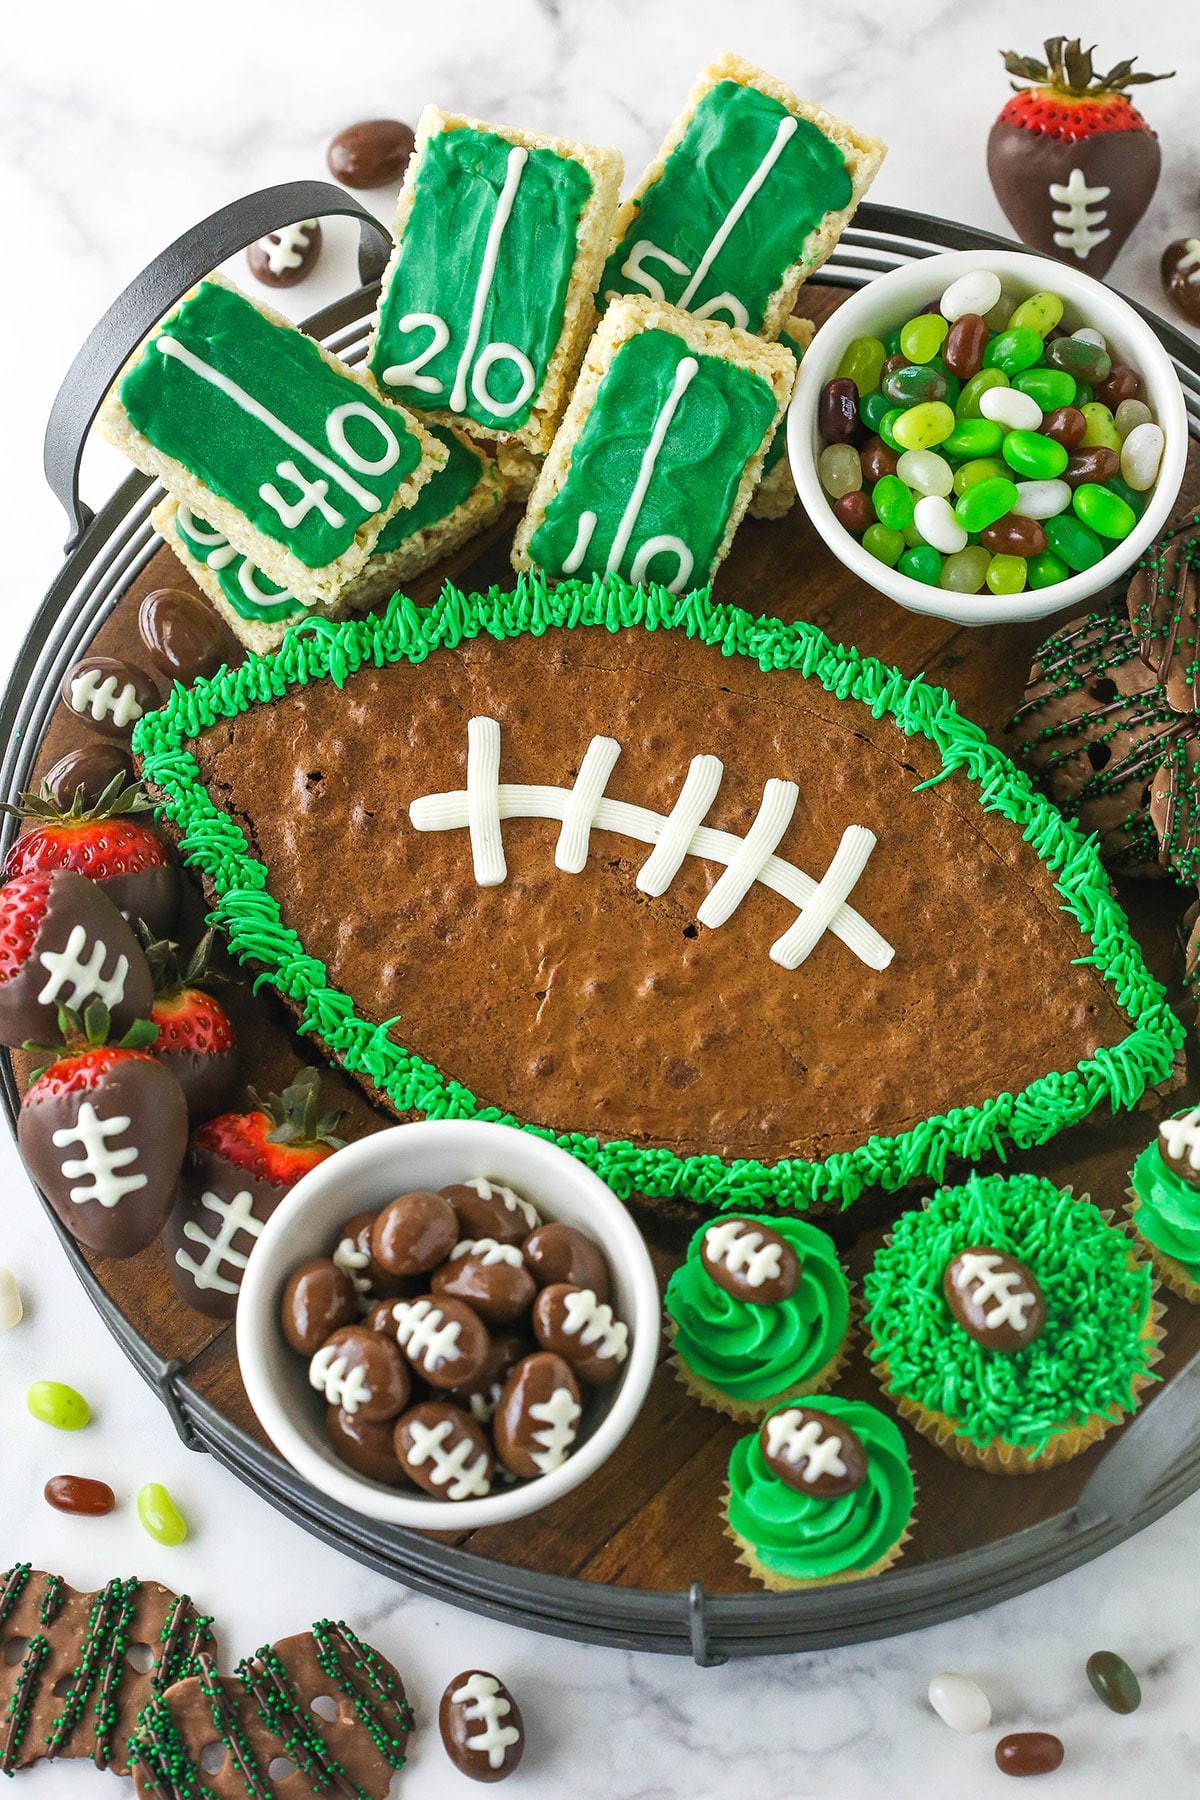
point(994, 1298)
point(481, 1726)
point(1181, 277)
point(286, 256)
point(750, 1261)
point(183, 636)
point(353, 1253)
point(576, 1325)
point(444, 1451)
point(414, 1233)
point(318, 1299)
point(557, 1252)
point(109, 694)
point(66, 944)
point(488, 1209)
point(363, 1373)
point(93, 768)
point(373, 153)
point(365, 1445)
point(443, 1339)
point(481, 1395)
point(813, 1452)
point(537, 1418)
point(490, 1277)
point(1179, 1146)
point(217, 1219)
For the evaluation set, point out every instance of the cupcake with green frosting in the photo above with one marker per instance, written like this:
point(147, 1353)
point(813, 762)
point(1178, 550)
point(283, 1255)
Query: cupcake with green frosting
point(1165, 1209)
point(1011, 1323)
point(759, 1312)
point(822, 1492)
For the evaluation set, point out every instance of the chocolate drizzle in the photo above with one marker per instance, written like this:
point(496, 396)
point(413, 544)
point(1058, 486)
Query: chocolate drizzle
point(1175, 809)
point(15, 1580)
point(21, 1702)
point(368, 1683)
point(175, 1663)
point(229, 1729)
point(279, 1709)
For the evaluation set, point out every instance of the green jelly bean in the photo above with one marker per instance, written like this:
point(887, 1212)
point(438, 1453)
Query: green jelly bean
point(160, 1516)
point(1129, 495)
point(1099, 428)
point(1049, 387)
point(1044, 569)
point(1040, 313)
point(1114, 1681)
point(873, 408)
point(1013, 350)
point(965, 571)
point(861, 362)
point(953, 384)
point(981, 469)
point(1105, 512)
point(1084, 395)
point(891, 343)
point(924, 426)
point(1075, 542)
point(975, 388)
point(913, 384)
point(1035, 457)
point(921, 338)
point(884, 544)
point(912, 536)
point(1006, 574)
point(54, 1403)
point(1085, 361)
point(887, 428)
point(922, 564)
point(986, 502)
point(974, 437)
point(893, 503)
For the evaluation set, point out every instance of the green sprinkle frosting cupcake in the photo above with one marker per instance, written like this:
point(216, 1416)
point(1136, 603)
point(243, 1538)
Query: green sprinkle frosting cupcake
point(1166, 1203)
point(820, 1493)
point(759, 1312)
point(1010, 1323)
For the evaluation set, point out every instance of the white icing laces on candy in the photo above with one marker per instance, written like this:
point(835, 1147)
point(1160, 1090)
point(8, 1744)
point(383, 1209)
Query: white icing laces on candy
point(488, 1252)
point(284, 248)
point(327, 1372)
point(487, 801)
point(808, 1447)
point(1013, 1300)
point(484, 1702)
point(1189, 262)
point(235, 1215)
point(559, 1416)
point(1183, 1134)
point(513, 1202)
point(1081, 218)
point(423, 1329)
point(66, 967)
point(352, 1261)
point(743, 1252)
point(99, 1163)
point(450, 1467)
point(606, 1337)
point(102, 697)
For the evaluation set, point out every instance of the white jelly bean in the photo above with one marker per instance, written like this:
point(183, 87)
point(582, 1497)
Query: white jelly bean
point(1087, 334)
point(1008, 406)
point(1141, 453)
point(976, 292)
point(11, 1309)
point(960, 1702)
point(925, 472)
point(934, 519)
point(1129, 415)
point(1042, 499)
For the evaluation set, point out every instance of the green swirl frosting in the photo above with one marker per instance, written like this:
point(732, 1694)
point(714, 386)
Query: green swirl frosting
point(750, 1351)
point(809, 1538)
point(1168, 1213)
point(1085, 1360)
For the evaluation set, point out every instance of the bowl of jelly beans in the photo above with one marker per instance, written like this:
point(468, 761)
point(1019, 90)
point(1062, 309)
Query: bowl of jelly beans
point(987, 436)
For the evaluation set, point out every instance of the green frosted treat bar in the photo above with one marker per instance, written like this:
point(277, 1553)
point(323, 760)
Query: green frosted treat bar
point(747, 196)
point(661, 447)
point(487, 302)
point(256, 609)
point(294, 458)
point(776, 492)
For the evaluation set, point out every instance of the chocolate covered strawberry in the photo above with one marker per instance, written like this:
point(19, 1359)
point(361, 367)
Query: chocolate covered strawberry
point(103, 1132)
point(195, 1038)
point(1073, 162)
point(240, 1166)
point(63, 943)
point(108, 842)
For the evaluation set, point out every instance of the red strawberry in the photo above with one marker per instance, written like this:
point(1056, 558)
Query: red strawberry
point(1073, 163)
point(63, 943)
point(103, 1132)
point(106, 842)
point(195, 1038)
point(240, 1167)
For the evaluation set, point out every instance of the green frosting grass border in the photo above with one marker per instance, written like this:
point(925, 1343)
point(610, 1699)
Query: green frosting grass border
point(318, 649)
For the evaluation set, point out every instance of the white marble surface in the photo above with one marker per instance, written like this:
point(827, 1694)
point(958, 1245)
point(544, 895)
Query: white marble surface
point(119, 126)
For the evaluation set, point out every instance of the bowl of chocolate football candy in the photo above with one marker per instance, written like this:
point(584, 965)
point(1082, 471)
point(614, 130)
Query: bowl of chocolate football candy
point(448, 1324)
point(987, 436)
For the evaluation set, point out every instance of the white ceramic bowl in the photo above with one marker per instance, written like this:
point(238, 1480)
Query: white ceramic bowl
point(367, 1174)
point(883, 305)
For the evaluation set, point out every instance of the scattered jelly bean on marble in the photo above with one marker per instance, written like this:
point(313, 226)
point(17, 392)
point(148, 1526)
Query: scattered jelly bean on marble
point(54, 1403)
point(960, 1702)
point(159, 1515)
point(12, 1311)
point(79, 1494)
point(1029, 1753)
point(1114, 1681)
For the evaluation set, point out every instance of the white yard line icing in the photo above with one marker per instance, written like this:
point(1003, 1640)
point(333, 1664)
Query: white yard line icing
point(685, 373)
point(787, 129)
point(517, 158)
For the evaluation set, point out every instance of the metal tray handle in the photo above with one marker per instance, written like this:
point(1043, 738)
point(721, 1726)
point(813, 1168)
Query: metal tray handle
point(155, 291)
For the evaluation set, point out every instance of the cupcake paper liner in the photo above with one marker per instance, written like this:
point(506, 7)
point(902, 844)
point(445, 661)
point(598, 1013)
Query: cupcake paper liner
point(1171, 1273)
point(788, 1584)
point(747, 1412)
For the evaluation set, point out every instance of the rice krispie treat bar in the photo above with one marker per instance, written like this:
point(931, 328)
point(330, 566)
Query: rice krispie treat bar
point(747, 196)
point(661, 447)
point(773, 496)
point(257, 611)
point(487, 302)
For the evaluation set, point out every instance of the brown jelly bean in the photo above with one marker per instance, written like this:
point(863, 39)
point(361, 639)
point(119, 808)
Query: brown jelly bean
point(1066, 425)
point(92, 768)
point(891, 364)
point(1014, 536)
point(877, 461)
point(79, 1494)
point(372, 154)
point(1123, 383)
point(837, 411)
point(1029, 1753)
point(183, 635)
point(1097, 463)
point(965, 344)
point(854, 512)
